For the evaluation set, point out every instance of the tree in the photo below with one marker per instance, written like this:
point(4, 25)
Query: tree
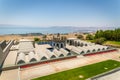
point(99, 34)
point(89, 37)
point(100, 40)
point(80, 36)
point(36, 39)
point(109, 34)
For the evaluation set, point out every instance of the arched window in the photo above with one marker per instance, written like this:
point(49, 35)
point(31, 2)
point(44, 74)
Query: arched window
point(78, 43)
point(53, 56)
point(81, 44)
point(62, 45)
point(98, 49)
point(103, 49)
point(88, 51)
point(93, 50)
point(32, 60)
point(54, 44)
point(75, 43)
point(85, 44)
point(67, 41)
point(71, 42)
point(43, 58)
point(20, 62)
point(57, 45)
point(82, 52)
point(61, 55)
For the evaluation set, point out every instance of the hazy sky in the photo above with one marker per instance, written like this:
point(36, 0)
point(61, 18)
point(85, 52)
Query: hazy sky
point(60, 12)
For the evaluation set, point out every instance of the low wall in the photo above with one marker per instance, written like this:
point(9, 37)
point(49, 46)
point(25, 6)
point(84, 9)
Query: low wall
point(103, 52)
point(3, 44)
point(10, 67)
point(104, 74)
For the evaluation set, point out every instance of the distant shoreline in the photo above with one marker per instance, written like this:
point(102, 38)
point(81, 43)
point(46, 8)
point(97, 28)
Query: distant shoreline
point(50, 30)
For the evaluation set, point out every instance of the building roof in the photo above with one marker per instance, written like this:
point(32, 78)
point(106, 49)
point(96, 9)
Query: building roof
point(21, 58)
point(65, 52)
point(42, 54)
point(25, 47)
point(32, 57)
point(51, 54)
point(59, 53)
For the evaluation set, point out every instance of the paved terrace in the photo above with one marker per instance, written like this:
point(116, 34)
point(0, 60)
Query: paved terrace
point(10, 59)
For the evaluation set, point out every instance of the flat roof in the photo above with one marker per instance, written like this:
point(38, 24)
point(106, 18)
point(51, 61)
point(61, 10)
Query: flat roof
point(42, 47)
point(25, 47)
point(25, 40)
point(10, 59)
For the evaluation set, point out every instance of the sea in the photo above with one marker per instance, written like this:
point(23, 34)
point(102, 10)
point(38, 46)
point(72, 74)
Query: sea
point(24, 30)
point(56, 29)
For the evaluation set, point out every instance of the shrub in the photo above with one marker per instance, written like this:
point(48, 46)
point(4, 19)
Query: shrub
point(89, 37)
point(100, 40)
point(80, 36)
point(36, 39)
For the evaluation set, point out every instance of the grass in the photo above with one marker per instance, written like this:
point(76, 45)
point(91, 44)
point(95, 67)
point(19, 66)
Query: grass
point(84, 72)
point(90, 41)
point(113, 43)
point(109, 43)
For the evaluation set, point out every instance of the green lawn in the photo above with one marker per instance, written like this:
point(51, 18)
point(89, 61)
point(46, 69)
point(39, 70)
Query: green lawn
point(90, 41)
point(113, 43)
point(84, 72)
point(109, 43)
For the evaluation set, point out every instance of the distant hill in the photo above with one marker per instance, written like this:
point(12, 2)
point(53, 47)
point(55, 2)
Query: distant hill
point(83, 29)
point(93, 29)
point(22, 30)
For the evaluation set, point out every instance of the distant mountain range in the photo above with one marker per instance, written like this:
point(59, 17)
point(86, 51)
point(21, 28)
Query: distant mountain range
point(93, 29)
point(85, 29)
point(43, 30)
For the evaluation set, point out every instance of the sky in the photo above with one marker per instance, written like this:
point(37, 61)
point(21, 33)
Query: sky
point(45, 13)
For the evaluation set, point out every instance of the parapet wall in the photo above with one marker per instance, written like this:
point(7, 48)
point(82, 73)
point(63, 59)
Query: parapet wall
point(3, 44)
point(4, 53)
